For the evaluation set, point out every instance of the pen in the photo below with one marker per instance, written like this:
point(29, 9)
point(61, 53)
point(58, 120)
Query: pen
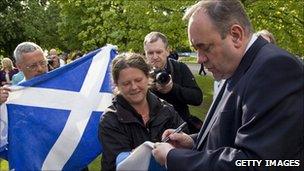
point(177, 130)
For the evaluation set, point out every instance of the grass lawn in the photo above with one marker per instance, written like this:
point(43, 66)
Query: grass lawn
point(205, 83)
point(188, 60)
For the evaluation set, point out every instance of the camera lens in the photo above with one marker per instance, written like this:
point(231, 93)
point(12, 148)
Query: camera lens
point(162, 78)
point(50, 61)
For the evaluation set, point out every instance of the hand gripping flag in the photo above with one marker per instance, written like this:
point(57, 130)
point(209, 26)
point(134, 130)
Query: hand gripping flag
point(52, 120)
point(141, 158)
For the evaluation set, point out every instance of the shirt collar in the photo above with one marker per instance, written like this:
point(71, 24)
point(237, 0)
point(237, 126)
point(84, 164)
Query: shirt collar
point(22, 80)
point(252, 40)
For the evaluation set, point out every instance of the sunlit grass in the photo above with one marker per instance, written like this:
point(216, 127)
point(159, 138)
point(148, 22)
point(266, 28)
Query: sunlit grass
point(191, 60)
point(206, 85)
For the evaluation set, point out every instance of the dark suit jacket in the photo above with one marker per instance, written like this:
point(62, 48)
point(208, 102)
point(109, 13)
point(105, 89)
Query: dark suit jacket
point(260, 116)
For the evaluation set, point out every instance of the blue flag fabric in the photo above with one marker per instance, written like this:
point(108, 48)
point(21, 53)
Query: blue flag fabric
point(53, 118)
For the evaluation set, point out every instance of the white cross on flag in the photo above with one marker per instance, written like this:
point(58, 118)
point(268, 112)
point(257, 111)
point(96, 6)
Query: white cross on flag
point(51, 121)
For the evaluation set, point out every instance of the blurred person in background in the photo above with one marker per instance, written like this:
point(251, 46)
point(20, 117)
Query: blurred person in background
point(202, 69)
point(267, 35)
point(53, 59)
point(7, 71)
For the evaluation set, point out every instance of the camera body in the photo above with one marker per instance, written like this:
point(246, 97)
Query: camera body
point(160, 76)
point(50, 61)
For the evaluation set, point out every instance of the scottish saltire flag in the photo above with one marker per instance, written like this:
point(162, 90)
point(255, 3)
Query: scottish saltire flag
point(53, 118)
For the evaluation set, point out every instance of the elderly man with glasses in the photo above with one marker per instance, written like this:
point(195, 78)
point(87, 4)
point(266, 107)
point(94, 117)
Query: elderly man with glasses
point(30, 60)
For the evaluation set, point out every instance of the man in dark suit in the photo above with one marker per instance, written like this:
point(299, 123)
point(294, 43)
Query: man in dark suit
point(257, 121)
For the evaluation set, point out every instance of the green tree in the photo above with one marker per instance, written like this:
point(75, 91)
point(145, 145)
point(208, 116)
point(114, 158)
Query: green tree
point(30, 20)
point(40, 23)
point(126, 22)
point(89, 24)
point(285, 19)
point(123, 23)
point(10, 25)
point(70, 25)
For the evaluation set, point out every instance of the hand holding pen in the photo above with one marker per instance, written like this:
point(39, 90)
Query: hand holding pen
point(177, 130)
point(175, 139)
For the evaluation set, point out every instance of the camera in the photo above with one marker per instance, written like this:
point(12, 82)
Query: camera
point(50, 61)
point(160, 76)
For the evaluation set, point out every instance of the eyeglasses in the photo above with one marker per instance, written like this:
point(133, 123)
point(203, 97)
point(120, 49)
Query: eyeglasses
point(34, 67)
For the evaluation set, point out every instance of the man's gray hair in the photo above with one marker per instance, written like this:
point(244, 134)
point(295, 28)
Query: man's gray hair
point(223, 14)
point(154, 36)
point(25, 47)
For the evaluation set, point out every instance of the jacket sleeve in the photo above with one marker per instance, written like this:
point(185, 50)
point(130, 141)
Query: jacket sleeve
point(272, 123)
point(114, 140)
point(187, 91)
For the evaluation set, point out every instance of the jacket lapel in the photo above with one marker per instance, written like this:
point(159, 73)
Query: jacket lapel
point(210, 116)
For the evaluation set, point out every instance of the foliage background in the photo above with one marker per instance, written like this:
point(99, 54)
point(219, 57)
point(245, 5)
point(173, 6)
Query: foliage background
point(71, 25)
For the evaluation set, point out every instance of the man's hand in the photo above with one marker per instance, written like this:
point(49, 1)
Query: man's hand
point(178, 140)
point(4, 92)
point(161, 151)
point(164, 88)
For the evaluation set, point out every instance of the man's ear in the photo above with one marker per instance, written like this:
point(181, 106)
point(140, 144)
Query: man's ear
point(237, 35)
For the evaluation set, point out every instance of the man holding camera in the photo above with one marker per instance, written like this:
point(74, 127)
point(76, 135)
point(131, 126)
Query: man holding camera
point(178, 88)
point(53, 60)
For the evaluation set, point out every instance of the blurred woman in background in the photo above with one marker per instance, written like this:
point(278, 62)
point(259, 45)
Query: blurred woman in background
point(7, 71)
